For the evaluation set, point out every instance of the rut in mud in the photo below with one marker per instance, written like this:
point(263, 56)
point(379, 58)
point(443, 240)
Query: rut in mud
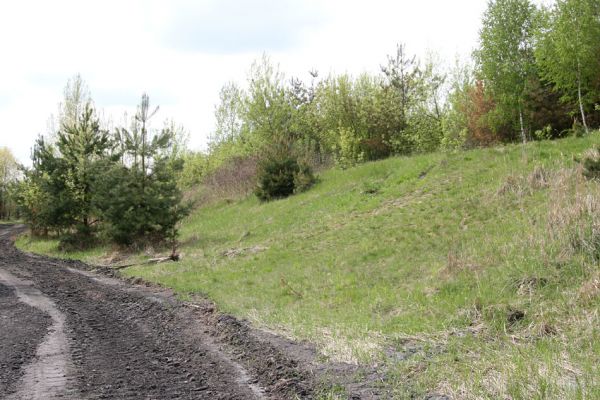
point(73, 335)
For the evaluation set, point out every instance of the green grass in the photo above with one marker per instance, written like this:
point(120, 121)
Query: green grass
point(50, 246)
point(11, 221)
point(379, 261)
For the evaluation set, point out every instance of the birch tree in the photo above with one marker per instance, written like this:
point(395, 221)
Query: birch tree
point(505, 57)
point(569, 49)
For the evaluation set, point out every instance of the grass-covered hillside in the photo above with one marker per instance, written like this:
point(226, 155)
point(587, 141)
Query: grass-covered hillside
point(473, 274)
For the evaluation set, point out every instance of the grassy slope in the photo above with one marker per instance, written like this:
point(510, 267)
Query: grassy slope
point(378, 262)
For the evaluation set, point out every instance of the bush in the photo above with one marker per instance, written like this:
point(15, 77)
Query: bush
point(279, 178)
point(81, 238)
point(591, 163)
point(235, 178)
point(141, 208)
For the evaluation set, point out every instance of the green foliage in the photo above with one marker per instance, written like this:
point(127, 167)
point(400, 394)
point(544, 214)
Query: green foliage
point(140, 199)
point(434, 266)
point(350, 120)
point(455, 125)
point(80, 146)
point(505, 57)
point(280, 177)
point(138, 208)
point(123, 184)
point(58, 192)
point(568, 50)
point(348, 150)
point(304, 178)
point(229, 115)
point(195, 168)
point(9, 173)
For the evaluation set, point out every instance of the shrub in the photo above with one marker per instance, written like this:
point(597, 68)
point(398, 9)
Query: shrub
point(81, 238)
point(348, 150)
point(141, 208)
point(233, 179)
point(279, 178)
point(591, 163)
point(304, 178)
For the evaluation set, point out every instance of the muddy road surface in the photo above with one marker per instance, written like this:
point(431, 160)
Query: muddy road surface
point(69, 333)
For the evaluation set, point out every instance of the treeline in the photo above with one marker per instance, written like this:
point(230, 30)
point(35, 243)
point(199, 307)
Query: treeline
point(535, 75)
point(89, 183)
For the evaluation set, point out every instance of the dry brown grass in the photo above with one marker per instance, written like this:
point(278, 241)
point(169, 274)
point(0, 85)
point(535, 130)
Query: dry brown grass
point(234, 179)
point(521, 186)
point(574, 214)
point(231, 181)
point(458, 262)
point(590, 290)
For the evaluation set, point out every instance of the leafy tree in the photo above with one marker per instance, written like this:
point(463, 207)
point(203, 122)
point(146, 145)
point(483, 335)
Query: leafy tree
point(455, 119)
point(229, 115)
point(549, 116)
point(77, 98)
point(505, 57)
point(568, 51)
point(306, 123)
point(268, 110)
point(424, 124)
point(9, 171)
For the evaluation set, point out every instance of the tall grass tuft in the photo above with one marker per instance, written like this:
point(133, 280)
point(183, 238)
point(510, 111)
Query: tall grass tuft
point(574, 214)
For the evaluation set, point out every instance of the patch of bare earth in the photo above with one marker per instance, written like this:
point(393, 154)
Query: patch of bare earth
point(127, 340)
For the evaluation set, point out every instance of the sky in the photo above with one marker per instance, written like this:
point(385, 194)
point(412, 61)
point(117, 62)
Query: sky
point(181, 52)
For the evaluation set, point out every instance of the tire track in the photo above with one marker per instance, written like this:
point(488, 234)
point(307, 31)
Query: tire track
point(110, 341)
point(46, 377)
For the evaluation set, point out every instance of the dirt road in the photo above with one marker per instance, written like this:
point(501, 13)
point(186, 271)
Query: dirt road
point(69, 333)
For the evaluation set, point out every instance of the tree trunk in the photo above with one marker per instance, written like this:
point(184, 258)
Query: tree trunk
point(523, 137)
point(581, 106)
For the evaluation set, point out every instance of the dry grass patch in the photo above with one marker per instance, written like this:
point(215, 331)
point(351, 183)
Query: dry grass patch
point(337, 346)
point(590, 290)
point(520, 185)
point(458, 262)
point(574, 214)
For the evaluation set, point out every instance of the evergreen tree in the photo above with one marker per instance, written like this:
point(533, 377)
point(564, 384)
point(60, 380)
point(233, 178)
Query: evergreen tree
point(81, 144)
point(140, 198)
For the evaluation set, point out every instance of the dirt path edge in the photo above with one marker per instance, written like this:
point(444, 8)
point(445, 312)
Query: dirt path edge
point(283, 368)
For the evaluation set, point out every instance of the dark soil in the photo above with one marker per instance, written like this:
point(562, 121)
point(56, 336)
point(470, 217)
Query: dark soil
point(132, 340)
point(22, 329)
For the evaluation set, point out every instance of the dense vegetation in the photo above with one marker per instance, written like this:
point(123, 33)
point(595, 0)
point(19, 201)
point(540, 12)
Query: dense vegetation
point(473, 274)
point(536, 76)
point(471, 270)
point(87, 182)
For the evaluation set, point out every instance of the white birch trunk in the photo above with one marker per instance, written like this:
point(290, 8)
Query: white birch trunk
point(581, 106)
point(523, 137)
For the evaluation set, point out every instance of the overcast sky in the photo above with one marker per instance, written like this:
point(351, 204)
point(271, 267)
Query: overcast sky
point(181, 51)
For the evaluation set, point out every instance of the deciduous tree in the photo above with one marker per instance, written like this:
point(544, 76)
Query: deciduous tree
point(569, 51)
point(505, 57)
